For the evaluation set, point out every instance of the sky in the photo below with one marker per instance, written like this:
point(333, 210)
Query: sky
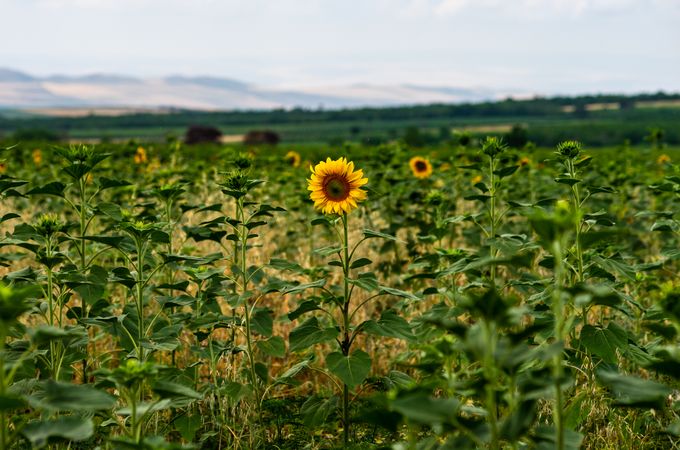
point(533, 46)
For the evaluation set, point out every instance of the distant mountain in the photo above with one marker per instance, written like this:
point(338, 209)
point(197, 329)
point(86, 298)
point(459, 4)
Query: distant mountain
point(22, 91)
point(9, 75)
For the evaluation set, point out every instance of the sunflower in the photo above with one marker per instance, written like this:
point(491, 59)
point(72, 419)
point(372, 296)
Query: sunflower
point(140, 156)
point(293, 158)
point(477, 179)
point(663, 159)
point(420, 166)
point(37, 157)
point(335, 186)
point(524, 162)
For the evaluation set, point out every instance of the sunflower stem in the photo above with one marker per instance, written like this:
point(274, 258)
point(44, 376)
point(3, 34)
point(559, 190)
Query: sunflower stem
point(346, 342)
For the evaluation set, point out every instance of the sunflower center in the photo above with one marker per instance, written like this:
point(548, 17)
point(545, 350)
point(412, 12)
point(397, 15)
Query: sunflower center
point(421, 166)
point(336, 188)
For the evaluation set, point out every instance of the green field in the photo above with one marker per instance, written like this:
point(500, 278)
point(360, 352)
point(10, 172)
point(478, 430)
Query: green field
point(156, 295)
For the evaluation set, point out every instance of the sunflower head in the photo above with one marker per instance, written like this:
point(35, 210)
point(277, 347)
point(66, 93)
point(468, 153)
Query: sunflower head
point(244, 161)
point(524, 161)
point(493, 146)
point(568, 149)
point(37, 157)
point(435, 197)
point(336, 187)
point(420, 167)
point(293, 158)
point(663, 159)
point(48, 225)
point(140, 156)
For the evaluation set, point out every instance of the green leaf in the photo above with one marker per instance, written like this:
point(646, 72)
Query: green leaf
point(147, 407)
point(58, 396)
point(601, 190)
point(568, 181)
point(611, 265)
point(44, 334)
point(168, 389)
point(391, 324)
point(303, 308)
point(674, 428)
point(352, 369)
point(69, 428)
point(505, 171)
point(304, 286)
point(328, 250)
point(361, 262)
point(398, 293)
point(633, 391)
point(262, 321)
point(421, 408)
point(187, 425)
point(604, 342)
point(283, 264)
point(369, 234)
point(112, 241)
point(54, 188)
point(9, 216)
point(665, 225)
point(480, 197)
point(316, 410)
point(92, 286)
point(546, 438)
point(366, 281)
point(310, 333)
point(289, 375)
point(107, 183)
point(10, 402)
point(274, 346)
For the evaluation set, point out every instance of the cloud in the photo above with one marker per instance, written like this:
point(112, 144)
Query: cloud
point(448, 7)
point(443, 8)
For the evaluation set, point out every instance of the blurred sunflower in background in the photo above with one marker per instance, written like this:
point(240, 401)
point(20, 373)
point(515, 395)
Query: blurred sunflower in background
point(420, 167)
point(140, 156)
point(663, 159)
point(336, 187)
point(37, 157)
point(293, 158)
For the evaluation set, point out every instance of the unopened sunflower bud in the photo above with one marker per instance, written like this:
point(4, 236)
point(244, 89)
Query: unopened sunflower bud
point(569, 149)
point(493, 146)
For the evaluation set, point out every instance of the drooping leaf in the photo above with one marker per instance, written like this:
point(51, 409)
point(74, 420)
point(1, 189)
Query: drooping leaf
point(422, 408)
point(634, 392)
point(390, 324)
point(274, 346)
point(68, 428)
point(368, 234)
point(604, 342)
point(59, 396)
point(352, 369)
point(310, 333)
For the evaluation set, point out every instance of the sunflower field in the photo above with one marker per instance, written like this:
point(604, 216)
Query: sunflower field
point(161, 296)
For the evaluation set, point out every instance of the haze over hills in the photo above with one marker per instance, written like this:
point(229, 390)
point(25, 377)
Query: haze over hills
point(19, 90)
